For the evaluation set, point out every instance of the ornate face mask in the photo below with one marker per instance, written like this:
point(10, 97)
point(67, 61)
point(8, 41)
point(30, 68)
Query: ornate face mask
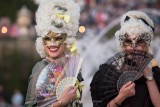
point(134, 41)
point(54, 39)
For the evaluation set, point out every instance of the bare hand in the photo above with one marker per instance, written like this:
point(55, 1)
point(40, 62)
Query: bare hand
point(127, 90)
point(69, 95)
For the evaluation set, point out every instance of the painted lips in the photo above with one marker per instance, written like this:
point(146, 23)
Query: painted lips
point(53, 48)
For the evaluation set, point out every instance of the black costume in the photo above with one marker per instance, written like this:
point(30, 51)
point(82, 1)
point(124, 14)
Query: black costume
point(140, 99)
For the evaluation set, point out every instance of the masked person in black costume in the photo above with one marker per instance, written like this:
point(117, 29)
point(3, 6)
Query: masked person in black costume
point(134, 36)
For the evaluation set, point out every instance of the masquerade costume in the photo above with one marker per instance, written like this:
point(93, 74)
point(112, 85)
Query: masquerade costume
point(57, 24)
point(136, 30)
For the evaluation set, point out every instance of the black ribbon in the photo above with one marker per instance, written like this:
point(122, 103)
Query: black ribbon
point(143, 20)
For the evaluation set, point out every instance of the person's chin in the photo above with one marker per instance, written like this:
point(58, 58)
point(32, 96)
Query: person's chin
point(54, 56)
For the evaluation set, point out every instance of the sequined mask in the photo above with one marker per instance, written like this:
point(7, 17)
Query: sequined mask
point(54, 39)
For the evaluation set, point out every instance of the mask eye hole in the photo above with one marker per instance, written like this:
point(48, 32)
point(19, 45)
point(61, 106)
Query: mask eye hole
point(127, 42)
point(46, 38)
point(141, 42)
point(59, 38)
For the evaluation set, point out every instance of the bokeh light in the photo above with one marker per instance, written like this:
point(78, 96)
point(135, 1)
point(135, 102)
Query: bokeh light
point(4, 30)
point(82, 29)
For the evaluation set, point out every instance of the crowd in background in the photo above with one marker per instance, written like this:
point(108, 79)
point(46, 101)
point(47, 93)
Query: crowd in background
point(97, 14)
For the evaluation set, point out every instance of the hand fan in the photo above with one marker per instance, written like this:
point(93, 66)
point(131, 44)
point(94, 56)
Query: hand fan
point(68, 81)
point(65, 83)
point(47, 84)
point(117, 71)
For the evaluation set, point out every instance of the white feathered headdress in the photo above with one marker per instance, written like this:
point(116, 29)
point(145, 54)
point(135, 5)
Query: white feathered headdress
point(135, 23)
point(58, 16)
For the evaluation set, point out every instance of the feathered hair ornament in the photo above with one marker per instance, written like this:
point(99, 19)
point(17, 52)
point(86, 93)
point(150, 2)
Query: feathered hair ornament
point(57, 16)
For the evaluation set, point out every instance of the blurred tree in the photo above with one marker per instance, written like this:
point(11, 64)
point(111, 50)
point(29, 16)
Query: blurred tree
point(17, 58)
point(9, 8)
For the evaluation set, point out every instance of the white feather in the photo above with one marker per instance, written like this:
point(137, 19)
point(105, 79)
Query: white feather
point(46, 14)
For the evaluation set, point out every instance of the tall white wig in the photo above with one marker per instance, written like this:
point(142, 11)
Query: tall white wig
point(58, 16)
point(135, 23)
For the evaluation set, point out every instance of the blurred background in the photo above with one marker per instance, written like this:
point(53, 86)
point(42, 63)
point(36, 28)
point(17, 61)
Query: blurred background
point(95, 41)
